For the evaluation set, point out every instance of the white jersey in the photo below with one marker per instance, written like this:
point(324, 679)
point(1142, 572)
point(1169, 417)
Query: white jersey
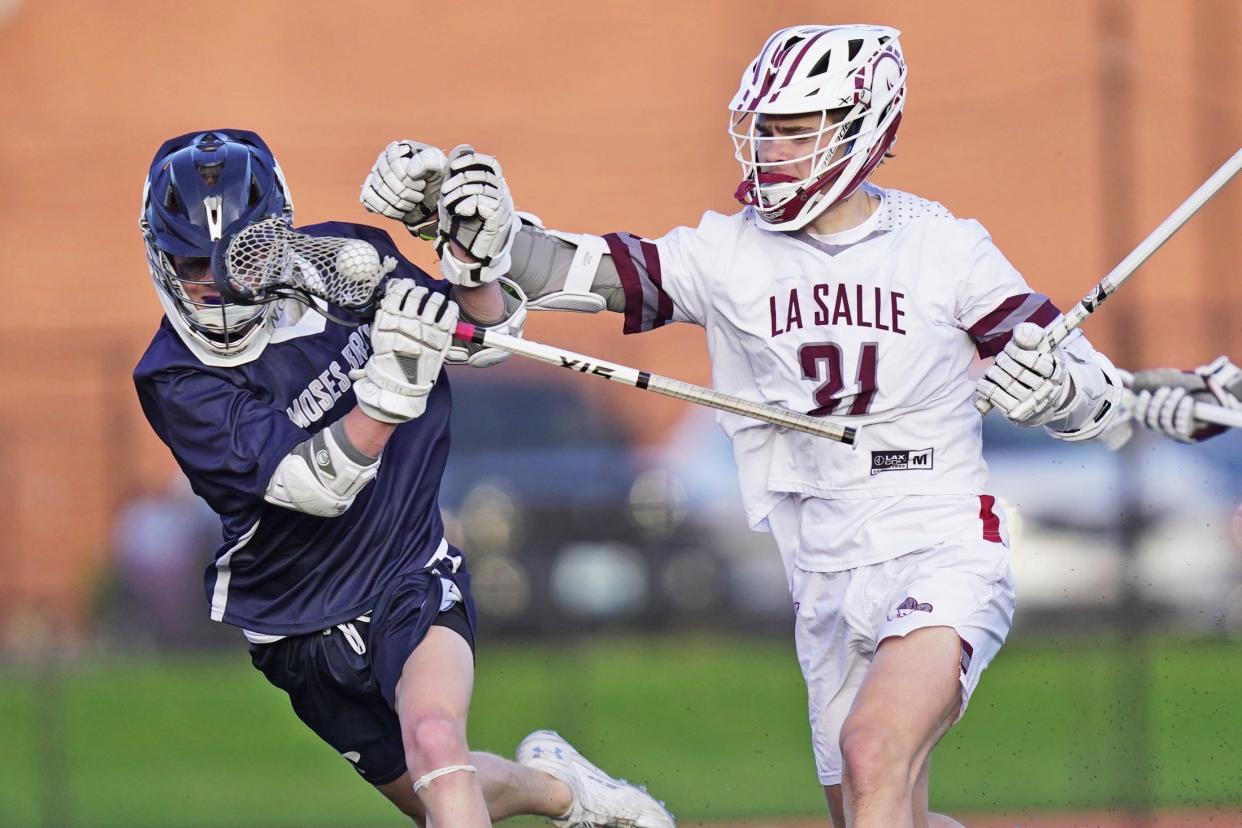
point(876, 328)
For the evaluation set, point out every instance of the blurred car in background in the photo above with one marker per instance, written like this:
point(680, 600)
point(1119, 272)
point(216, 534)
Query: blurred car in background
point(563, 529)
point(1074, 508)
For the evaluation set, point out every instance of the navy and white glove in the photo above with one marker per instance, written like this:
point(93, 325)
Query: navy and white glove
point(1165, 398)
point(1028, 381)
point(410, 337)
point(404, 184)
point(477, 217)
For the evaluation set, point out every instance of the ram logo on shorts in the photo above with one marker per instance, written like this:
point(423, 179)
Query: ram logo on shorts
point(908, 606)
point(901, 460)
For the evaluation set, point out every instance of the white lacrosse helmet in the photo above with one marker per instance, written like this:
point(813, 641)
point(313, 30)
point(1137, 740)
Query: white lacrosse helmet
point(854, 71)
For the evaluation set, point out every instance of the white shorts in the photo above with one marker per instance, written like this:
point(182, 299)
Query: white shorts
point(842, 617)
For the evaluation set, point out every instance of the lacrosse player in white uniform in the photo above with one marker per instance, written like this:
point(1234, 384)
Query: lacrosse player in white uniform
point(831, 296)
point(1165, 398)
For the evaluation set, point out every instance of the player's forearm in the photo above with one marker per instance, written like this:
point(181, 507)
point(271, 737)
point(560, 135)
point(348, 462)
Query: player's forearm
point(483, 305)
point(542, 262)
point(367, 434)
point(1097, 392)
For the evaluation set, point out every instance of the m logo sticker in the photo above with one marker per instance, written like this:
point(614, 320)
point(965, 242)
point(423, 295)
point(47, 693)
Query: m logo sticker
point(901, 460)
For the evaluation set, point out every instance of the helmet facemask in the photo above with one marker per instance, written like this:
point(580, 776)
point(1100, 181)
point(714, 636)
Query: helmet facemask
point(224, 327)
point(770, 150)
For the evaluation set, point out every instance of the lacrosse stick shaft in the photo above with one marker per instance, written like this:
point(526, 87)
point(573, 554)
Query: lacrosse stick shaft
point(1061, 327)
point(1203, 411)
point(654, 382)
point(1217, 415)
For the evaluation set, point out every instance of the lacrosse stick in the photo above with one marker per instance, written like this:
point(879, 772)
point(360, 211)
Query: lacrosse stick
point(1203, 411)
point(1061, 327)
point(269, 260)
point(647, 381)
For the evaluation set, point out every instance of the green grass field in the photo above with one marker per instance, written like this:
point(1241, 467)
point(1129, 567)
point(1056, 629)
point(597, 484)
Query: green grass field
point(716, 726)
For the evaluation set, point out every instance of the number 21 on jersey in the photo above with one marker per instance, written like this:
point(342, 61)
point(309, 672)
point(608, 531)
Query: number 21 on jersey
point(823, 362)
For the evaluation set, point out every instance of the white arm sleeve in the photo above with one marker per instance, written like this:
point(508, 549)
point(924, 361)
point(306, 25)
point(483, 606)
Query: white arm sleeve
point(322, 475)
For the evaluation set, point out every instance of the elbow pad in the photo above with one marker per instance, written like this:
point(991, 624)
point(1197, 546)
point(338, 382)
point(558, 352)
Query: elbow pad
point(481, 356)
point(576, 295)
point(1097, 400)
point(576, 258)
point(322, 475)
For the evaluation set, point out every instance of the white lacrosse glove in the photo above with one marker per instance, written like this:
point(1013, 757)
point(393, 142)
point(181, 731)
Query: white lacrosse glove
point(405, 183)
point(1166, 397)
point(1169, 410)
point(1224, 382)
point(476, 213)
point(1028, 381)
point(410, 337)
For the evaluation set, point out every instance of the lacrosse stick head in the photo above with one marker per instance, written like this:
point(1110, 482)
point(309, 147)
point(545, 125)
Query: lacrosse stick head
point(269, 260)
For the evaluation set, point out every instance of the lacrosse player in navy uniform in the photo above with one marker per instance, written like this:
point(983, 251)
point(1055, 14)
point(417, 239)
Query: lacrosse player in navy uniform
point(321, 447)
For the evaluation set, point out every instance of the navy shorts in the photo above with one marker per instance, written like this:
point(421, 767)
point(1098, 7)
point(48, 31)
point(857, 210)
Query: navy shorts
point(341, 681)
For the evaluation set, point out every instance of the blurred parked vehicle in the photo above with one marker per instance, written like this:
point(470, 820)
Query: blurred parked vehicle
point(1068, 505)
point(544, 491)
point(1071, 506)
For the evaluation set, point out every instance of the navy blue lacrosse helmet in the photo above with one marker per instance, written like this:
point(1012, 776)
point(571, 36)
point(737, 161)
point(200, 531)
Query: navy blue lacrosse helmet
point(200, 186)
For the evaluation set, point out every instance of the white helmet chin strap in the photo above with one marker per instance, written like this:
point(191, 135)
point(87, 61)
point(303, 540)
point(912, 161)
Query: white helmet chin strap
point(195, 323)
point(244, 349)
point(224, 317)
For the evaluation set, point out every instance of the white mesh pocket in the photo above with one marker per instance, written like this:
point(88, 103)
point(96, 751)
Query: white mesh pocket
point(269, 259)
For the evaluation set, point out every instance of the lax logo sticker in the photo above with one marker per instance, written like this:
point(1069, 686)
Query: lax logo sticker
point(901, 460)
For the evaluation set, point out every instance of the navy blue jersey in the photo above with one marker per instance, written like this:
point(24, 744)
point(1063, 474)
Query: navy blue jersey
point(280, 571)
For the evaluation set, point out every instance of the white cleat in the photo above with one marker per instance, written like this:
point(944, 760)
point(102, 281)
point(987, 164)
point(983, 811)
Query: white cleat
point(599, 800)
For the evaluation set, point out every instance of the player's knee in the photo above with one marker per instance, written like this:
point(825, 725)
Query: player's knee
point(873, 757)
point(435, 740)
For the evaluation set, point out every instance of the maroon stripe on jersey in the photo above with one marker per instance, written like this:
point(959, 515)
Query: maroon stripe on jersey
point(992, 320)
point(991, 521)
point(1044, 314)
point(993, 332)
point(664, 302)
point(992, 347)
point(995, 344)
point(631, 283)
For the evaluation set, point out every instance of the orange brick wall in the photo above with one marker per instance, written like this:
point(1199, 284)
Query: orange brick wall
point(1069, 128)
